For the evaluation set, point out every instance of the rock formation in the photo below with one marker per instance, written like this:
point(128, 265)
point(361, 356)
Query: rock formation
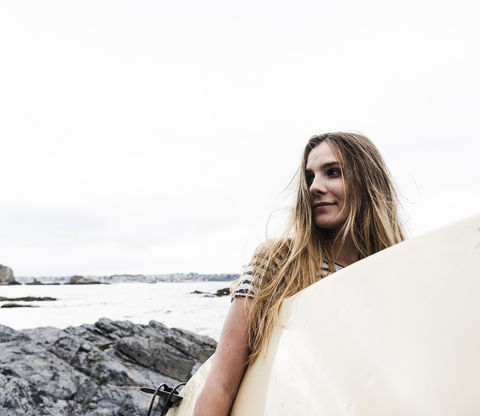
point(28, 299)
point(23, 299)
point(80, 280)
point(6, 276)
point(220, 292)
point(35, 282)
point(17, 305)
point(95, 369)
point(223, 292)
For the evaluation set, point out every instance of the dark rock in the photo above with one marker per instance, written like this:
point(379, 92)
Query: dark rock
point(220, 292)
point(197, 346)
point(17, 305)
point(35, 282)
point(223, 292)
point(6, 276)
point(158, 356)
point(80, 280)
point(93, 369)
point(26, 299)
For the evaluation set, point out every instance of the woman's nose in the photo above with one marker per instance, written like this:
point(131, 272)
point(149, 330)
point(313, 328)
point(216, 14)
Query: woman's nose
point(318, 186)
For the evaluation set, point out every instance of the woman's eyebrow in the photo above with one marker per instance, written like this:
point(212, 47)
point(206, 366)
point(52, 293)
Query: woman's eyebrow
point(325, 166)
point(330, 165)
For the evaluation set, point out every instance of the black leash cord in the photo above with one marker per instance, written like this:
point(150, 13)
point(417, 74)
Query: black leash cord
point(153, 398)
point(174, 390)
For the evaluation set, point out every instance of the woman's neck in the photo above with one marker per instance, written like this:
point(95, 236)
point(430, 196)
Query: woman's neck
point(345, 254)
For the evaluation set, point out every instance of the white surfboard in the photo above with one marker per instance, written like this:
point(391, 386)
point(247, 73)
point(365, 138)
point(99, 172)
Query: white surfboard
point(397, 333)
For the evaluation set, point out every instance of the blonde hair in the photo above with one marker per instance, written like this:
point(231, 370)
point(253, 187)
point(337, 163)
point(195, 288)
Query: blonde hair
point(286, 265)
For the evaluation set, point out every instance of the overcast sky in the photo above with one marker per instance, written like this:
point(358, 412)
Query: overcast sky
point(157, 137)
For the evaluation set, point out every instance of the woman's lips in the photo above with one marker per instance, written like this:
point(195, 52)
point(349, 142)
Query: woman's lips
point(320, 206)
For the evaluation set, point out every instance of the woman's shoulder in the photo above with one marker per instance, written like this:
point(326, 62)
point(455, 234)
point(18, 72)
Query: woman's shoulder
point(272, 249)
point(269, 255)
point(267, 259)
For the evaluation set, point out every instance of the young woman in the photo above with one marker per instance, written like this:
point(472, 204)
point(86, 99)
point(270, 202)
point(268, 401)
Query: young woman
point(346, 209)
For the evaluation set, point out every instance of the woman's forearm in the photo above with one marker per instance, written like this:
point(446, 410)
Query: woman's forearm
point(214, 401)
point(228, 364)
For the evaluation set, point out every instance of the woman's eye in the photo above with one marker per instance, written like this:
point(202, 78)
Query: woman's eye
point(334, 172)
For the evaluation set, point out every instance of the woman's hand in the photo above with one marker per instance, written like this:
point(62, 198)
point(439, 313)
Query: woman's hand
point(228, 364)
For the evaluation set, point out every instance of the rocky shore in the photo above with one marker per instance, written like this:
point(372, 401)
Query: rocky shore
point(93, 370)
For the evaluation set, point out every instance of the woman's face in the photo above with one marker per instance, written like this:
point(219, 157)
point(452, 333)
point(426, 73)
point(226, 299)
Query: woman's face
point(330, 207)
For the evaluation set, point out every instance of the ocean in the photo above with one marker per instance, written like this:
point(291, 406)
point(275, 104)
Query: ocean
point(173, 304)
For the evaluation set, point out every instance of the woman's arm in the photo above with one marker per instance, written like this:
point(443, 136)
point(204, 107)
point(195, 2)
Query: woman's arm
point(228, 363)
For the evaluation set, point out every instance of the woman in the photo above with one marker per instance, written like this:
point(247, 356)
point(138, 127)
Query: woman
point(346, 209)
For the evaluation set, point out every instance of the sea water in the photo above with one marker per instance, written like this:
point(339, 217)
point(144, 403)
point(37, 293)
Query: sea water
point(173, 304)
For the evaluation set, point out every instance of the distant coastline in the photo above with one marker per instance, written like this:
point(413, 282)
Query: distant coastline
point(138, 278)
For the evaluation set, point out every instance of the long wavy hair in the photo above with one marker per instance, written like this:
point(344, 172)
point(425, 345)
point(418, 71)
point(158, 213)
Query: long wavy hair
point(286, 265)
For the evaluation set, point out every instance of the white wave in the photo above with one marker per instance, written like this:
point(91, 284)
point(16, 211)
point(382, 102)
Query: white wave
point(170, 303)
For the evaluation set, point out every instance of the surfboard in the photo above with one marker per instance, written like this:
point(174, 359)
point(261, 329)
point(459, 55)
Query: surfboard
point(397, 333)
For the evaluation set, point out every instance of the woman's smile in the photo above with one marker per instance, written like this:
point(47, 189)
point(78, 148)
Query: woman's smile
point(319, 206)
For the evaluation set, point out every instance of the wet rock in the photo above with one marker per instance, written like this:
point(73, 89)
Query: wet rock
point(93, 369)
